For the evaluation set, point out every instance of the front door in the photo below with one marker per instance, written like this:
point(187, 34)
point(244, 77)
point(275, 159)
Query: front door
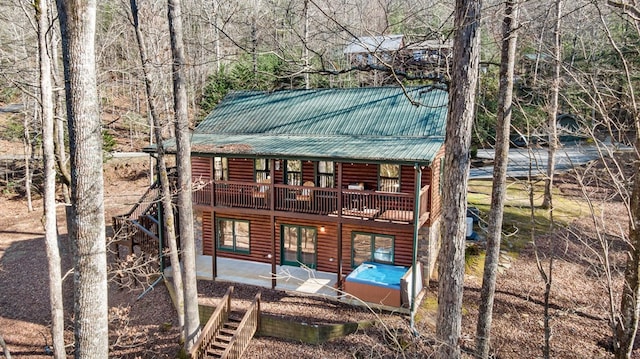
point(299, 245)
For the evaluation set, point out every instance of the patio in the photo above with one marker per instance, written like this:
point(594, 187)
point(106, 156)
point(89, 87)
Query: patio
point(289, 278)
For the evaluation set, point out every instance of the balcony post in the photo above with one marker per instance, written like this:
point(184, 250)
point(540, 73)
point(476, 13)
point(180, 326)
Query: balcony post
point(272, 204)
point(414, 249)
point(339, 205)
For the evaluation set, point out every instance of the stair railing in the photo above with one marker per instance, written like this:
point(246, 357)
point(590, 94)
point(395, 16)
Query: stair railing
point(246, 329)
point(213, 326)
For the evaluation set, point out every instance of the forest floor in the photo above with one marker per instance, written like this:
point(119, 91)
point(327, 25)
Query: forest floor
point(146, 327)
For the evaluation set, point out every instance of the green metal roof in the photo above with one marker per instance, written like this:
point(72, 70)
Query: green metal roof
point(358, 124)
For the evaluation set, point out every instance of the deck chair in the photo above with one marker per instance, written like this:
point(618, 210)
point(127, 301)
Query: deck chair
point(261, 191)
point(306, 193)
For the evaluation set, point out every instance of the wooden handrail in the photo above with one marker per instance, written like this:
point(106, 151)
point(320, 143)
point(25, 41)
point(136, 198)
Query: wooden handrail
point(142, 228)
point(152, 191)
point(246, 329)
point(364, 204)
point(215, 322)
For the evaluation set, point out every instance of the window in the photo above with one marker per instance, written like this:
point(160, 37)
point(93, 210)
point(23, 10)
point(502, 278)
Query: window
point(261, 169)
point(220, 169)
point(371, 247)
point(389, 178)
point(233, 235)
point(299, 245)
point(325, 174)
point(293, 172)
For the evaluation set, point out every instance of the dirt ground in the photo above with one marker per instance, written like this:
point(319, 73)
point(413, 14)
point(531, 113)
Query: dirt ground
point(146, 328)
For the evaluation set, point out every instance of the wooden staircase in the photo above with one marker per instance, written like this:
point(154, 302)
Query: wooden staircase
point(223, 338)
point(140, 227)
point(227, 333)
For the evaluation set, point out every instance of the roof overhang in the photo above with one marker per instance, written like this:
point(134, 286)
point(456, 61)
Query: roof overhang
point(386, 149)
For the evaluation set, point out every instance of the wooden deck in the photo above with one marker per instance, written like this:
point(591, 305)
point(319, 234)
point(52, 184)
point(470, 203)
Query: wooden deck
point(360, 204)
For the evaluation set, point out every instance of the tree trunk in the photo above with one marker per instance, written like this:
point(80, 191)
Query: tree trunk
point(553, 112)
point(183, 160)
point(165, 190)
point(77, 25)
point(627, 324)
point(50, 219)
point(466, 51)
point(60, 148)
point(498, 194)
point(27, 161)
point(307, 83)
point(254, 47)
point(5, 349)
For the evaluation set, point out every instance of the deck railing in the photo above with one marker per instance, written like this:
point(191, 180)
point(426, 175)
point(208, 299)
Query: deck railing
point(363, 204)
point(246, 329)
point(211, 329)
point(138, 226)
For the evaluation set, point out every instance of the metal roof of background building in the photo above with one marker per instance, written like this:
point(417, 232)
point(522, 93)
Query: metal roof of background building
point(357, 124)
point(366, 44)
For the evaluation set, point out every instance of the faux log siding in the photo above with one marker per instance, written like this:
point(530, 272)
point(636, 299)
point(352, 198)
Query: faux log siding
point(260, 237)
point(407, 179)
point(241, 169)
point(308, 171)
point(360, 172)
point(207, 233)
point(201, 168)
point(279, 172)
point(402, 251)
point(326, 246)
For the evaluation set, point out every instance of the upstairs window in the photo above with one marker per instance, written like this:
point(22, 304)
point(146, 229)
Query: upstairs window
point(261, 169)
point(220, 169)
point(325, 174)
point(294, 172)
point(389, 178)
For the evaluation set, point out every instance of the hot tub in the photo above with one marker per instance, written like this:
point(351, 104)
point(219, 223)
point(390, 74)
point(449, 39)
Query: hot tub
point(376, 283)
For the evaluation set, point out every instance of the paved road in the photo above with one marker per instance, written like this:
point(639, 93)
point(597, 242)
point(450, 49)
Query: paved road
point(520, 160)
point(12, 108)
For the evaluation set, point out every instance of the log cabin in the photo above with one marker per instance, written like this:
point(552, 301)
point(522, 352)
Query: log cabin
point(326, 179)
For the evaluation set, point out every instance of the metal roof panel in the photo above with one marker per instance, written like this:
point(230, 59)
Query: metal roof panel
point(368, 124)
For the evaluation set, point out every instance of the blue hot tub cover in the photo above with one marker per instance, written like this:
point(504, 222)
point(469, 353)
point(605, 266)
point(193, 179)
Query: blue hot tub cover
point(383, 275)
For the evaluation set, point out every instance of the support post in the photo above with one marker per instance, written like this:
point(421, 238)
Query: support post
point(414, 250)
point(339, 204)
point(272, 205)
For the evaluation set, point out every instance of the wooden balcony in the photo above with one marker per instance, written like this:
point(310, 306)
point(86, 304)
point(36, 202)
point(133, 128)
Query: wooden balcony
point(359, 204)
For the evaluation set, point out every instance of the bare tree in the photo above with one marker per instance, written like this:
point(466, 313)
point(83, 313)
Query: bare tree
point(626, 325)
point(28, 152)
point(466, 54)
point(50, 222)
point(498, 194)
point(183, 160)
point(77, 25)
point(165, 190)
point(553, 108)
